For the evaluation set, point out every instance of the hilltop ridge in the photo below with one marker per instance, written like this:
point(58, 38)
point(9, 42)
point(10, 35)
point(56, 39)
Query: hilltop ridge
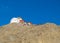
point(18, 33)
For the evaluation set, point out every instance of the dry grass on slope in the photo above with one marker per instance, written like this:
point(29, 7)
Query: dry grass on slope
point(17, 33)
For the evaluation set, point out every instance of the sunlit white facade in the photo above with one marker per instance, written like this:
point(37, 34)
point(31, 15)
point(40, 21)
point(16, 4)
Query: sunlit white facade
point(15, 20)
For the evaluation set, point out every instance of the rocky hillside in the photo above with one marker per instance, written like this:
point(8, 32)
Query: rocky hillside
point(18, 33)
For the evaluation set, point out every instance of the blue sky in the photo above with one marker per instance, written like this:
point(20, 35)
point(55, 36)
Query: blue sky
point(35, 11)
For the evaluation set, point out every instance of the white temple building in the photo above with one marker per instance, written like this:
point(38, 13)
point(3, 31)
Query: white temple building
point(16, 20)
point(19, 20)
